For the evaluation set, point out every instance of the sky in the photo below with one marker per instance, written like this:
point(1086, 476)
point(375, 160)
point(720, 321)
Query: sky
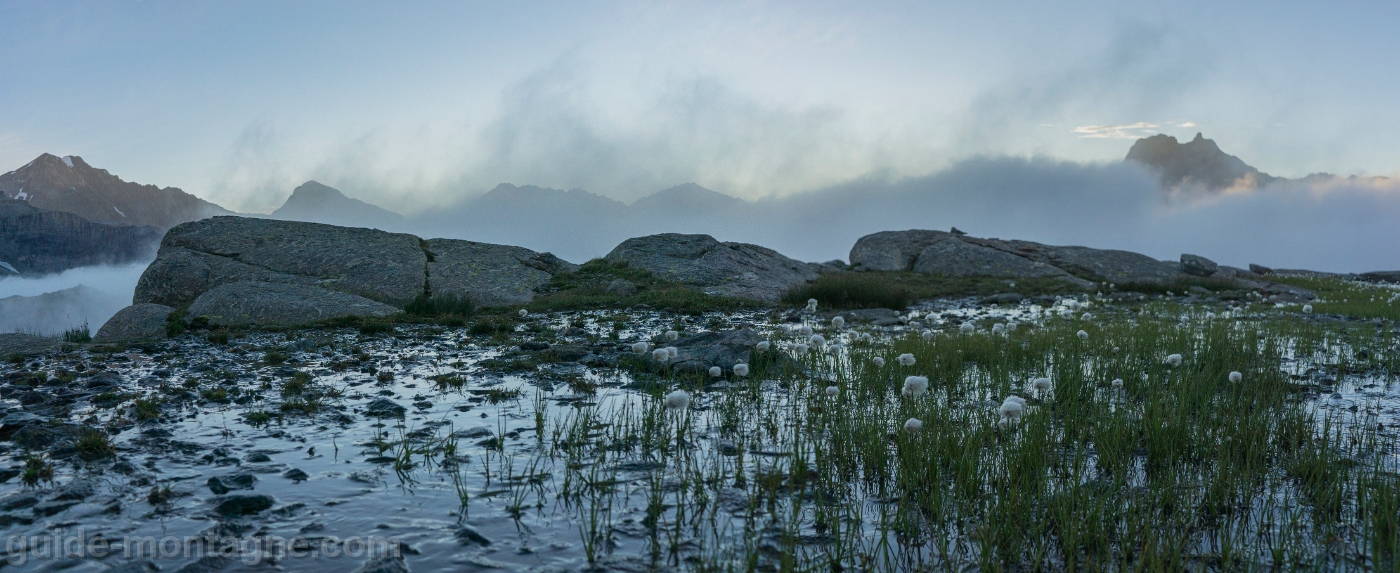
point(418, 105)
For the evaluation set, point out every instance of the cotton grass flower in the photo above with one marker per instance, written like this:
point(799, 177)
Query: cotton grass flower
point(672, 335)
point(1174, 359)
point(913, 425)
point(1117, 383)
point(762, 346)
point(1011, 409)
point(1082, 335)
point(915, 386)
point(716, 372)
point(1115, 350)
point(832, 391)
point(523, 313)
point(1041, 384)
point(906, 359)
point(660, 355)
point(672, 352)
point(878, 361)
point(811, 305)
point(967, 328)
point(1011, 326)
point(1210, 316)
point(640, 348)
point(926, 334)
point(805, 330)
point(998, 328)
point(1236, 377)
point(741, 369)
point(799, 349)
point(1307, 309)
point(838, 322)
point(817, 341)
point(678, 400)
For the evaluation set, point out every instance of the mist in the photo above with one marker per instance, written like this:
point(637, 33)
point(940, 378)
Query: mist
point(52, 304)
point(1330, 226)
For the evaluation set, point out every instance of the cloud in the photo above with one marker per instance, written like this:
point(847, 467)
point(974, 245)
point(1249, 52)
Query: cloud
point(1128, 131)
point(101, 291)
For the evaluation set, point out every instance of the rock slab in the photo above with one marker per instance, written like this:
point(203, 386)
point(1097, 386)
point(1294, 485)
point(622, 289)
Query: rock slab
point(724, 269)
point(196, 257)
point(277, 304)
point(490, 275)
point(136, 322)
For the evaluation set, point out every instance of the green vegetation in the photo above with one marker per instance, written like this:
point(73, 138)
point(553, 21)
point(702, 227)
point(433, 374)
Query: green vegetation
point(94, 444)
point(372, 327)
point(1180, 286)
point(1350, 298)
point(218, 337)
point(440, 306)
point(78, 335)
point(587, 288)
point(147, 409)
point(882, 289)
point(275, 357)
point(175, 323)
point(257, 418)
point(37, 470)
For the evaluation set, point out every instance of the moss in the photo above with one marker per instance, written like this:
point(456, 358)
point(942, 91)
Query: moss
point(450, 305)
point(586, 288)
point(897, 289)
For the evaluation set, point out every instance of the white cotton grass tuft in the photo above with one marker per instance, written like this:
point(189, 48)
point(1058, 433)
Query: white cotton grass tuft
point(741, 369)
point(678, 400)
point(1011, 409)
point(1041, 384)
point(660, 355)
point(878, 361)
point(1307, 309)
point(1115, 350)
point(838, 322)
point(967, 328)
point(762, 346)
point(832, 391)
point(1082, 335)
point(998, 328)
point(817, 341)
point(523, 313)
point(811, 305)
point(926, 334)
point(672, 335)
point(805, 330)
point(913, 425)
point(716, 372)
point(1210, 316)
point(1087, 317)
point(906, 359)
point(1011, 326)
point(799, 349)
point(640, 348)
point(1174, 359)
point(915, 386)
point(1117, 383)
point(672, 352)
point(1236, 376)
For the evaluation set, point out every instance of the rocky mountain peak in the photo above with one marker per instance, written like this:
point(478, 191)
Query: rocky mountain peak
point(69, 184)
point(1198, 162)
point(317, 203)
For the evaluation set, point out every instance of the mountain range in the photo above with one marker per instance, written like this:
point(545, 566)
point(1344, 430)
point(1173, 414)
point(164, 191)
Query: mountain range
point(92, 215)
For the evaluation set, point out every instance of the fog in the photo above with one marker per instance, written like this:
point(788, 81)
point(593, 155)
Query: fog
point(52, 304)
point(1339, 225)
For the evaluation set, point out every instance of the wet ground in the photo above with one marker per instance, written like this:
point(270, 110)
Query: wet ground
point(425, 445)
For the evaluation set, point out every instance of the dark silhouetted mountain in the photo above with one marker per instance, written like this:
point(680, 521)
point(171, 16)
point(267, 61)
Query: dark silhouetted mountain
point(1198, 162)
point(36, 241)
point(70, 185)
point(316, 203)
point(686, 198)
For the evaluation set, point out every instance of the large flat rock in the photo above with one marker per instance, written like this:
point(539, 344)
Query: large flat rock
point(280, 304)
point(725, 269)
point(893, 250)
point(1106, 265)
point(956, 258)
point(490, 275)
point(386, 267)
point(136, 322)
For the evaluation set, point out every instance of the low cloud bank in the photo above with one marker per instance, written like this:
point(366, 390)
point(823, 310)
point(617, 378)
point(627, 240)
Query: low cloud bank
point(52, 304)
point(1339, 225)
